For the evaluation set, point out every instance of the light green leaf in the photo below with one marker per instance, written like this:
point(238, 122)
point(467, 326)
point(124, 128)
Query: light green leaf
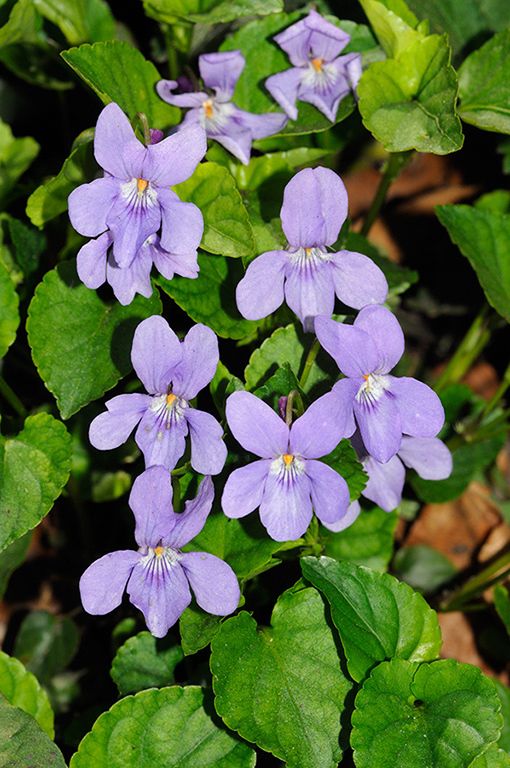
point(9, 312)
point(15, 157)
point(282, 687)
point(22, 742)
point(166, 728)
point(208, 11)
point(118, 72)
point(344, 460)
point(504, 697)
point(377, 617)
point(50, 199)
point(368, 541)
point(394, 24)
point(12, 557)
point(24, 24)
point(484, 85)
point(261, 169)
point(409, 102)
point(483, 236)
point(96, 335)
point(492, 758)
point(227, 229)
point(46, 644)
point(439, 715)
point(80, 21)
point(34, 467)
point(22, 690)
point(144, 662)
point(217, 279)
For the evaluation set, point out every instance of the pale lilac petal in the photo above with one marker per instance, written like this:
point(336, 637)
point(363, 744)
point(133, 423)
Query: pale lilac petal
point(113, 133)
point(208, 451)
point(261, 126)
point(182, 224)
point(91, 261)
point(429, 456)
point(168, 264)
point(213, 582)
point(260, 292)
point(164, 90)
point(309, 291)
point(238, 143)
point(112, 428)
point(350, 66)
point(286, 507)
point(352, 514)
point(295, 41)
point(221, 71)
point(380, 426)
point(244, 488)
point(175, 158)
point(200, 356)
point(326, 39)
point(384, 329)
point(256, 426)
point(385, 482)
point(326, 100)
point(283, 87)
point(347, 389)
point(131, 224)
point(319, 430)
point(189, 523)
point(160, 442)
point(353, 350)
point(358, 281)
point(151, 502)
point(155, 353)
point(90, 204)
point(420, 408)
point(131, 280)
point(161, 594)
point(103, 583)
point(314, 208)
point(330, 494)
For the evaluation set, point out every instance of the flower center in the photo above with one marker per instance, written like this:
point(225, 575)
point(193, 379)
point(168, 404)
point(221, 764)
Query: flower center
point(317, 63)
point(141, 184)
point(169, 400)
point(309, 258)
point(319, 75)
point(373, 389)
point(159, 551)
point(288, 458)
point(287, 467)
point(207, 105)
point(215, 116)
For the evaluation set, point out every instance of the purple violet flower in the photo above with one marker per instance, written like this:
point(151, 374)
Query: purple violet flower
point(313, 211)
point(288, 480)
point(230, 126)
point(319, 75)
point(173, 372)
point(384, 406)
point(158, 576)
point(132, 202)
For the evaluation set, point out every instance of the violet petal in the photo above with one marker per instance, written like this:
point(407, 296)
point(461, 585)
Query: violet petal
point(91, 261)
point(200, 356)
point(352, 514)
point(319, 430)
point(151, 502)
point(429, 456)
point(244, 488)
point(161, 593)
point(113, 427)
point(213, 582)
point(103, 583)
point(182, 224)
point(385, 482)
point(256, 426)
point(175, 158)
point(208, 451)
point(113, 133)
point(380, 426)
point(161, 442)
point(283, 87)
point(353, 350)
point(260, 292)
point(155, 354)
point(358, 281)
point(420, 408)
point(309, 292)
point(189, 523)
point(131, 280)
point(286, 507)
point(221, 71)
point(90, 204)
point(384, 329)
point(330, 494)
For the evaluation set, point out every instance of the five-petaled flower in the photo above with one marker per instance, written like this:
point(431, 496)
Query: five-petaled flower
point(230, 126)
point(132, 202)
point(384, 406)
point(319, 75)
point(288, 480)
point(173, 372)
point(313, 211)
point(159, 576)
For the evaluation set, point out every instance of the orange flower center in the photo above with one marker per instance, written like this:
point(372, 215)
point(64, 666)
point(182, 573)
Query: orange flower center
point(287, 457)
point(207, 105)
point(317, 63)
point(169, 400)
point(142, 183)
point(159, 551)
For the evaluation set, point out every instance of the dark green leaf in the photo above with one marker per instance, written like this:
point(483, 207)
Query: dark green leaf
point(197, 629)
point(163, 728)
point(502, 605)
point(15, 157)
point(22, 742)
point(368, 541)
point(27, 244)
point(80, 21)
point(46, 644)
point(440, 715)
point(377, 617)
point(9, 313)
point(97, 337)
point(344, 460)
point(209, 11)
point(12, 557)
point(118, 72)
point(22, 690)
point(144, 662)
point(423, 568)
point(504, 697)
point(34, 467)
point(484, 85)
point(283, 686)
point(279, 385)
point(399, 278)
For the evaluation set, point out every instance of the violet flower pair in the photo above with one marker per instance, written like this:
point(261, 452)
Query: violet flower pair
point(132, 212)
point(308, 275)
point(213, 109)
point(159, 575)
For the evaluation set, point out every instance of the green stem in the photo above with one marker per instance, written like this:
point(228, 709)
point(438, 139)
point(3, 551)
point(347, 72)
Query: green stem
point(478, 583)
point(493, 402)
point(293, 396)
point(12, 398)
point(177, 493)
point(142, 118)
point(476, 338)
point(310, 359)
point(396, 162)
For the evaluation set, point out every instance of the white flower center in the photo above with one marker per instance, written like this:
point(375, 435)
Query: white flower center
point(168, 410)
point(159, 559)
point(309, 258)
point(215, 116)
point(139, 193)
point(287, 466)
point(319, 75)
point(372, 390)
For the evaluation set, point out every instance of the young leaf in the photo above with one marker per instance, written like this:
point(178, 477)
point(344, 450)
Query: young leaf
point(81, 21)
point(208, 11)
point(46, 644)
point(227, 229)
point(439, 715)
point(97, 337)
point(368, 541)
point(15, 157)
point(144, 662)
point(484, 85)
point(34, 467)
point(396, 27)
point(118, 72)
point(377, 617)
point(9, 313)
point(282, 687)
point(22, 690)
point(157, 726)
point(22, 742)
point(11, 558)
point(492, 758)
